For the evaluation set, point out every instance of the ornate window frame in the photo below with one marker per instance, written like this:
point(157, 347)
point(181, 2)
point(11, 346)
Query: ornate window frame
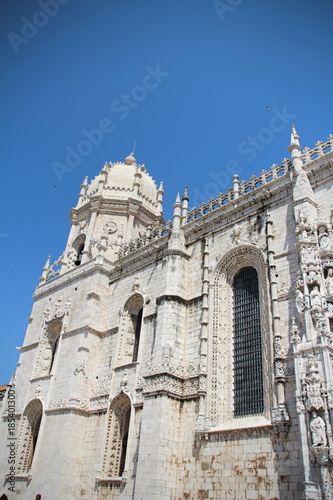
point(128, 341)
point(28, 437)
point(48, 348)
point(115, 456)
point(221, 338)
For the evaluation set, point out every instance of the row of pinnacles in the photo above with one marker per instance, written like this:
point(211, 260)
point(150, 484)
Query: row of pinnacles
point(73, 256)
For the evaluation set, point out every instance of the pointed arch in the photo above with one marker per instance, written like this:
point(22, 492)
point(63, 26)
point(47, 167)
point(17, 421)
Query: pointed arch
point(116, 444)
point(29, 433)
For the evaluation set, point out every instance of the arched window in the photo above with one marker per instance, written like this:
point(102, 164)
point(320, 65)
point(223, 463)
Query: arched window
point(241, 339)
point(247, 354)
point(31, 421)
point(117, 437)
point(79, 255)
point(131, 321)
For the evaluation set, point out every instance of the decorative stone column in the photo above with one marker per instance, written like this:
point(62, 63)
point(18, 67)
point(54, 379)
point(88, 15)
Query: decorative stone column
point(280, 416)
point(203, 421)
point(185, 200)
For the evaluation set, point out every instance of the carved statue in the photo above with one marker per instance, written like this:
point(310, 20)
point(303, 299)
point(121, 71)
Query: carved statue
point(299, 301)
point(329, 281)
point(318, 430)
point(315, 298)
point(324, 241)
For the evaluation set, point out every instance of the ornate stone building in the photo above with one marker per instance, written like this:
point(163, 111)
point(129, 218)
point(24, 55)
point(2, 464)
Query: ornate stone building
point(183, 360)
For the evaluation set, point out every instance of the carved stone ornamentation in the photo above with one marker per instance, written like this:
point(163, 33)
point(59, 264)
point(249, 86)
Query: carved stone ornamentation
point(295, 337)
point(110, 227)
point(312, 385)
point(329, 281)
point(101, 389)
point(80, 367)
point(318, 430)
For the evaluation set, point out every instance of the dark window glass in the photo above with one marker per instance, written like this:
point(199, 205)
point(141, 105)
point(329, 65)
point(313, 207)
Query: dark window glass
point(248, 377)
point(124, 442)
point(34, 430)
point(137, 336)
point(54, 352)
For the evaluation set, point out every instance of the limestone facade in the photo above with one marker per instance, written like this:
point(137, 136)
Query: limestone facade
point(143, 376)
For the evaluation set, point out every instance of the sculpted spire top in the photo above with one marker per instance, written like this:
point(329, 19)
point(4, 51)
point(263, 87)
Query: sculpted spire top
point(130, 160)
point(294, 141)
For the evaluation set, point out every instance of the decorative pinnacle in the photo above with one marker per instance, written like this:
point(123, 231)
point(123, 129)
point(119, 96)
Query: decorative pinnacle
point(47, 263)
point(130, 160)
point(185, 195)
point(177, 208)
point(294, 141)
point(85, 182)
point(177, 202)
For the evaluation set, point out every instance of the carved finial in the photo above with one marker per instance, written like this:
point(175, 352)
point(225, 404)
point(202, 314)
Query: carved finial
point(47, 263)
point(294, 140)
point(177, 207)
point(85, 182)
point(185, 195)
point(161, 187)
point(130, 160)
point(268, 216)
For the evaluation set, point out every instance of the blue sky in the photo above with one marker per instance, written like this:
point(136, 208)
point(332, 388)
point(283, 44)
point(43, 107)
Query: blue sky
point(189, 80)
